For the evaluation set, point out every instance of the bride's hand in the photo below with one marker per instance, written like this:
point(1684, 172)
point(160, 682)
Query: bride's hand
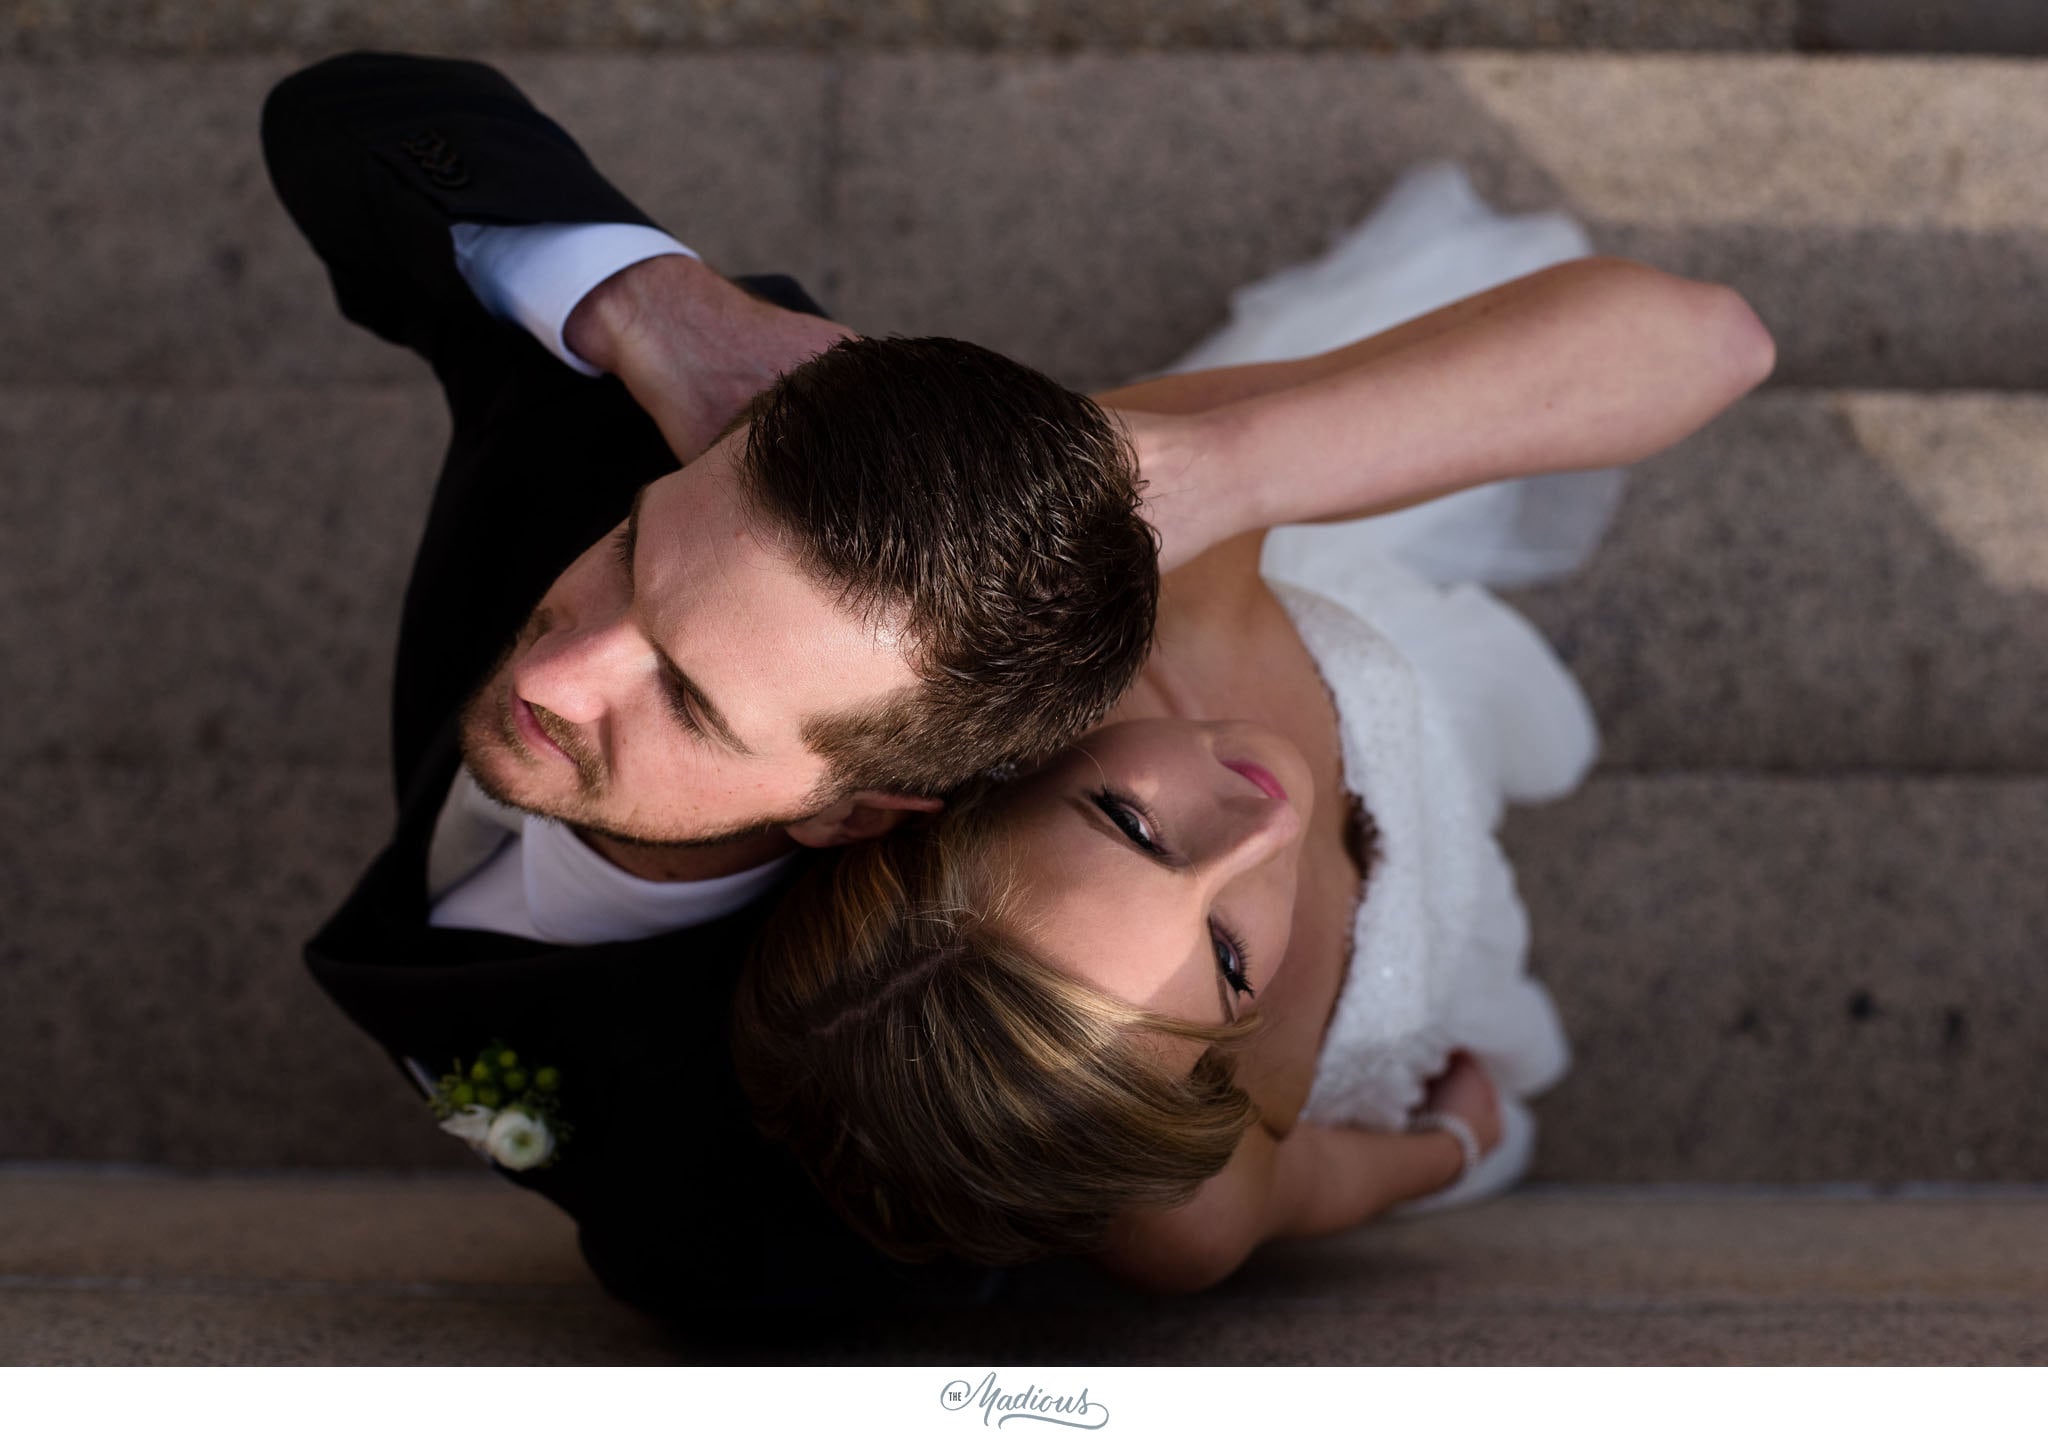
point(1464, 1090)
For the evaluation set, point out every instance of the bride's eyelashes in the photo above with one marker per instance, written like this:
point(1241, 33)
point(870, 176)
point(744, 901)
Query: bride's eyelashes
point(1127, 815)
point(1231, 956)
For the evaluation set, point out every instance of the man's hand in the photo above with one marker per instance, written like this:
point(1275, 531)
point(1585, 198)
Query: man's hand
point(691, 347)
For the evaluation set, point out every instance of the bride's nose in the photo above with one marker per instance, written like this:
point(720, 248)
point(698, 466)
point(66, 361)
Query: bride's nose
point(1250, 830)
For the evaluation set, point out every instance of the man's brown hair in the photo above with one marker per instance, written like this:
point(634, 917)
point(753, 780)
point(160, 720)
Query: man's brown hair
point(994, 514)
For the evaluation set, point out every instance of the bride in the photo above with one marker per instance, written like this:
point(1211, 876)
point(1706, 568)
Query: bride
point(1246, 962)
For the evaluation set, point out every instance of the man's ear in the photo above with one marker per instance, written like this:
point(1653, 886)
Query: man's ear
point(860, 816)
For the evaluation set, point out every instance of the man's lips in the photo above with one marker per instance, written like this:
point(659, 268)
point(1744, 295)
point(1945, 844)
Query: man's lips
point(1259, 776)
point(530, 730)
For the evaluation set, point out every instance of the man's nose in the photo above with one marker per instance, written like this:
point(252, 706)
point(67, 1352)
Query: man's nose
point(582, 671)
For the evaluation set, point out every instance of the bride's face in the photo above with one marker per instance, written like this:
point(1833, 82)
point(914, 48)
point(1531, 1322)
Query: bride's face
point(1156, 860)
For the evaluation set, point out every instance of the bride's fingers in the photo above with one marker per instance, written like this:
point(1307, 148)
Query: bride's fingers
point(1458, 1061)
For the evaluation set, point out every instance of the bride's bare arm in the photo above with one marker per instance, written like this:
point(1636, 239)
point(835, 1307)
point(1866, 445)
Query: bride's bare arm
point(1207, 388)
point(1321, 1178)
point(1595, 363)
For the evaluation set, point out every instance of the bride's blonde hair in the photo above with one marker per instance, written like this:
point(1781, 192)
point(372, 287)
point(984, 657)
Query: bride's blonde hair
point(948, 1091)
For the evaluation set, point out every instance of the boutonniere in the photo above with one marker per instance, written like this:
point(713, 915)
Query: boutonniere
point(503, 1110)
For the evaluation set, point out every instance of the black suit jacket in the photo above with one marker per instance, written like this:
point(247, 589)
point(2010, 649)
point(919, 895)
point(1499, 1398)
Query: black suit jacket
point(681, 1206)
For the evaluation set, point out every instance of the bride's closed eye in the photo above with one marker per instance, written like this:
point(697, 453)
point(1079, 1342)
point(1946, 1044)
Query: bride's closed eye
point(1231, 957)
point(1131, 818)
point(1137, 824)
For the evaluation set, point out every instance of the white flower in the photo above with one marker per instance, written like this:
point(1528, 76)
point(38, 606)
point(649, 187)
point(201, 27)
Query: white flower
point(518, 1140)
point(472, 1125)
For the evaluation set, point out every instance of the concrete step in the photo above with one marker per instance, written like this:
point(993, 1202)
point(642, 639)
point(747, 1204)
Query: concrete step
point(157, 1007)
point(1990, 27)
point(1784, 978)
point(210, 27)
point(1824, 582)
point(130, 524)
point(104, 1266)
point(1849, 581)
point(1763, 978)
point(1886, 216)
point(100, 1267)
point(160, 253)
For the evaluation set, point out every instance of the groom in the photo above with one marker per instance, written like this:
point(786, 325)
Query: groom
point(628, 693)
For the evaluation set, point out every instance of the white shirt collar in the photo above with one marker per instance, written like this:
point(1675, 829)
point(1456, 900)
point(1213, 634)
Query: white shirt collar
point(577, 897)
point(495, 868)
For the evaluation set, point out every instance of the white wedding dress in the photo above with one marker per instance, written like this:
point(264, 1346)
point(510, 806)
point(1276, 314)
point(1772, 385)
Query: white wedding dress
point(1449, 702)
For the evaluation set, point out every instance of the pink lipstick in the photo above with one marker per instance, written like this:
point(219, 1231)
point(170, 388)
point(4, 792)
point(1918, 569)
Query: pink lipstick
point(1261, 777)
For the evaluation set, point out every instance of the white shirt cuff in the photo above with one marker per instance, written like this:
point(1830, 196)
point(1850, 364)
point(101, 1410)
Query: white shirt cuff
point(534, 275)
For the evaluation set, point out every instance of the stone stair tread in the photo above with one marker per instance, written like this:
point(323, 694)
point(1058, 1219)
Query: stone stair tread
point(1764, 977)
point(1845, 581)
point(1821, 582)
point(158, 1006)
point(208, 27)
point(154, 249)
point(81, 1224)
point(1884, 215)
point(1772, 978)
point(152, 1268)
point(1877, 212)
point(202, 28)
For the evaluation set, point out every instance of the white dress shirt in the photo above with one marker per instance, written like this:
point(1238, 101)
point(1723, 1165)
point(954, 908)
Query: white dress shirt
point(534, 275)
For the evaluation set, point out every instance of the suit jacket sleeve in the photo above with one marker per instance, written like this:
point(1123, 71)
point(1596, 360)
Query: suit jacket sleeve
point(376, 155)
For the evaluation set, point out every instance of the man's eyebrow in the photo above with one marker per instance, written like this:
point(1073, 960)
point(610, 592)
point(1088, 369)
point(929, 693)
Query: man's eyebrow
point(701, 706)
point(633, 527)
point(703, 710)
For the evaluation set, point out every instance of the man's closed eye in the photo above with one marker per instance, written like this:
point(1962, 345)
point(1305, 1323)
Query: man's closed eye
point(686, 700)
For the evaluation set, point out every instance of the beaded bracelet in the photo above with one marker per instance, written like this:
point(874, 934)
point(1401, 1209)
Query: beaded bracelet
point(1457, 1128)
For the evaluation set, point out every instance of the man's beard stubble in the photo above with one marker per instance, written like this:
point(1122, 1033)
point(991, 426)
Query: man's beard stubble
point(487, 721)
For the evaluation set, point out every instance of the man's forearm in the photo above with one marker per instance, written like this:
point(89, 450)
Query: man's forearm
point(537, 275)
point(1590, 364)
point(598, 328)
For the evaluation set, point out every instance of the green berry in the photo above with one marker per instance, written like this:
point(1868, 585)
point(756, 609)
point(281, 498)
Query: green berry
point(548, 1079)
point(508, 1059)
point(463, 1093)
point(480, 1071)
point(514, 1081)
point(489, 1098)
